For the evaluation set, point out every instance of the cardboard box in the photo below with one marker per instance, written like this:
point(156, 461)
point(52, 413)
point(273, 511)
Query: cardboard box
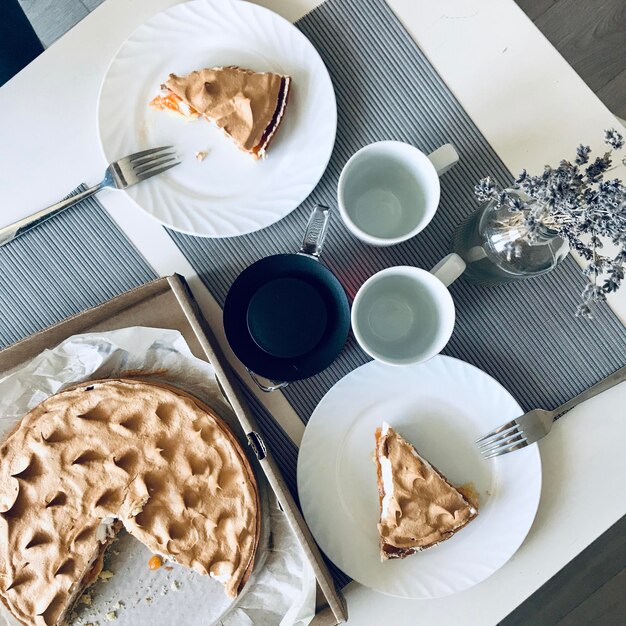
point(168, 303)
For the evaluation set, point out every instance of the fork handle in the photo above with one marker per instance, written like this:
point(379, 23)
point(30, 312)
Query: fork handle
point(611, 380)
point(10, 232)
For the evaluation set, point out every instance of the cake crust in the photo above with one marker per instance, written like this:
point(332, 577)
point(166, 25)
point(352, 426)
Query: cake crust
point(119, 452)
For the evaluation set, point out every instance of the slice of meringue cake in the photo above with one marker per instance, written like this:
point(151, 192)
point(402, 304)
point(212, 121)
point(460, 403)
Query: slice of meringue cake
point(419, 507)
point(248, 106)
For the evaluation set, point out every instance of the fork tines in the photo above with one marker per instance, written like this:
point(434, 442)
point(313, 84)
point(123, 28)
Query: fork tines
point(146, 153)
point(152, 162)
point(505, 438)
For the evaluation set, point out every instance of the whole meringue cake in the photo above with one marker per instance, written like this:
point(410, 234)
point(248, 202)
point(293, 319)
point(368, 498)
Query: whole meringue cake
point(114, 453)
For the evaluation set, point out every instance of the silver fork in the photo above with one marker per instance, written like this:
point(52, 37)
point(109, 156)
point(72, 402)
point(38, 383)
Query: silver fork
point(119, 175)
point(537, 423)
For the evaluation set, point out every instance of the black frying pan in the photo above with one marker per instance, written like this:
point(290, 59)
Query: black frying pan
point(287, 316)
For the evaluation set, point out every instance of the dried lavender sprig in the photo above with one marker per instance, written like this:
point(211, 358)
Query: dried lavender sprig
point(581, 206)
point(613, 139)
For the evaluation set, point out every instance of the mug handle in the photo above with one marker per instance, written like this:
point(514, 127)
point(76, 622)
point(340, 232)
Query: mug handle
point(444, 158)
point(315, 231)
point(449, 268)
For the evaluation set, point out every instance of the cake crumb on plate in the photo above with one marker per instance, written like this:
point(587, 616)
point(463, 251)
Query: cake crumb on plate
point(155, 562)
point(86, 598)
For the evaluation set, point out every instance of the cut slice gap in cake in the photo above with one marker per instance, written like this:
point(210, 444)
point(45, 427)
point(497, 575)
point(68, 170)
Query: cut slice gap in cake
point(419, 508)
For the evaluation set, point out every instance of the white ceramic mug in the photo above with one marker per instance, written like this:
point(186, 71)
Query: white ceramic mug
point(389, 191)
point(404, 315)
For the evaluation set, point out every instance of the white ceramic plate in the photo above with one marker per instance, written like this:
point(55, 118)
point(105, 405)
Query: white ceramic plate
point(441, 407)
point(229, 193)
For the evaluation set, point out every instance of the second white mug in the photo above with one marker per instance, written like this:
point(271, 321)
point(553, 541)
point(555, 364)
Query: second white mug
point(389, 191)
point(404, 315)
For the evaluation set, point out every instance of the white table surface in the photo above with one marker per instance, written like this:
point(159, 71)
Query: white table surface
point(528, 103)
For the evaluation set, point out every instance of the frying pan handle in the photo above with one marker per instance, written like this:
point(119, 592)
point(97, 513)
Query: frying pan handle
point(267, 388)
point(315, 231)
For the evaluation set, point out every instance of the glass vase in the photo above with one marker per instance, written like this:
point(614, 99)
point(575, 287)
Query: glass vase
point(497, 247)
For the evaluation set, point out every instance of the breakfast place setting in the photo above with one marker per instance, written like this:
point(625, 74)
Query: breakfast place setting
point(337, 338)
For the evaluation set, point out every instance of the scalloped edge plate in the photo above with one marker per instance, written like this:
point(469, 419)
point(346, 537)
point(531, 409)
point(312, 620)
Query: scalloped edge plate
point(228, 193)
point(441, 406)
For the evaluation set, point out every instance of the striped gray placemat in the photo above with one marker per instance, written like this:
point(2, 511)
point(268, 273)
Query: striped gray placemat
point(525, 334)
point(64, 266)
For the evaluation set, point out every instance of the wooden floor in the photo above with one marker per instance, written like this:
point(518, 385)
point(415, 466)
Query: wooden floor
point(589, 591)
point(591, 35)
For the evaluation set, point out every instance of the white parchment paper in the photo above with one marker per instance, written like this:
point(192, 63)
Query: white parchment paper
point(282, 588)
